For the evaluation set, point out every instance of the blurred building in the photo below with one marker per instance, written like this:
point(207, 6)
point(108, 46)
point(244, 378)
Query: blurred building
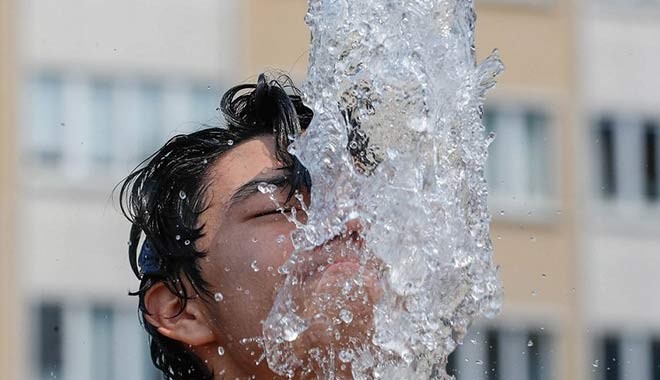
point(573, 172)
point(620, 156)
point(102, 85)
point(9, 338)
point(531, 176)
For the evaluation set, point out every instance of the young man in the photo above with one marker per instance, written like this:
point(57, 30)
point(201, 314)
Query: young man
point(206, 240)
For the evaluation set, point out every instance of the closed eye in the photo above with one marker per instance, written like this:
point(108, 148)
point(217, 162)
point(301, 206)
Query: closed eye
point(280, 211)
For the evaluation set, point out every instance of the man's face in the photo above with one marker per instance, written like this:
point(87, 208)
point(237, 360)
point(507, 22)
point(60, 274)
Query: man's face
point(247, 239)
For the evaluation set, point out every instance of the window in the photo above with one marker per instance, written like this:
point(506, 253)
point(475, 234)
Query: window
point(651, 159)
point(49, 344)
point(45, 119)
point(519, 162)
point(151, 98)
point(204, 104)
point(102, 123)
point(627, 158)
point(655, 359)
point(605, 141)
point(501, 354)
point(102, 342)
point(626, 356)
point(611, 357)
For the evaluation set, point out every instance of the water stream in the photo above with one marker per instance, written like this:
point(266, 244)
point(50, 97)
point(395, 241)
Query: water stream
point(397, 143)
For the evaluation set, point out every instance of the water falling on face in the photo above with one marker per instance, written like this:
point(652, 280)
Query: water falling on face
point(397, 143)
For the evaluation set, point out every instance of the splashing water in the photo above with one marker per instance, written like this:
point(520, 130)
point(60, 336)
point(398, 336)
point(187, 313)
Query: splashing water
point(398, 143)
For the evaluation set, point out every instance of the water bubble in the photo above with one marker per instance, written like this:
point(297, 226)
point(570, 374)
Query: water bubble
point(182, 194)
point(230, 142)
point(221, 350)
point(530, 343)
point(346, 355)
point(254, 266)
point(595, 363)
point(186, 242)
point(293, 326)
point(218, 297)
point(346, 316)
point(177, 237)
point(266, 188)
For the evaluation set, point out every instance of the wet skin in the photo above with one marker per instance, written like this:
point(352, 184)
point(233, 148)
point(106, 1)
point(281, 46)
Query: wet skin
point(246, 240)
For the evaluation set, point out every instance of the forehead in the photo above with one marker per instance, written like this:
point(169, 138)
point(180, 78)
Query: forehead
point(239, 165)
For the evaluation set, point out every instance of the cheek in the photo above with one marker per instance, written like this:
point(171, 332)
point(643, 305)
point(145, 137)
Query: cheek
point(246, 265)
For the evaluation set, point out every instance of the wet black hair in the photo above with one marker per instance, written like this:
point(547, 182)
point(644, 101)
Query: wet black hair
point(164, 196)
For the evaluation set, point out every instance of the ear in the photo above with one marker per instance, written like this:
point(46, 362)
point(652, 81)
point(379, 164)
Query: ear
point(189, 326)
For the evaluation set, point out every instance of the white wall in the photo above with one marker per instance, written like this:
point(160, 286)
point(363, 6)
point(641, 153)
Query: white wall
point(620, 57)
point(199, 38)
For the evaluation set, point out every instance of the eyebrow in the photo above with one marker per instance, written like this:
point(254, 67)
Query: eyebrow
point(251, 188)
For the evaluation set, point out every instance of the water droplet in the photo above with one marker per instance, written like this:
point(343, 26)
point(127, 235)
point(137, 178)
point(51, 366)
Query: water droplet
point(177, 237)
point(479, 362)
point(532, 239)
point(254, 266)
point(293, 326)
point(227, 269)
point(230, 142)
point(346, 355)
point(281, 239)
point(186, 242)
point(534, 293)
point(182, 194)
point(530, 343)
point(346, 316)
point(266, 188)
point(221, 350)
point(595, 364)
point(218, 297)
point(501, 212)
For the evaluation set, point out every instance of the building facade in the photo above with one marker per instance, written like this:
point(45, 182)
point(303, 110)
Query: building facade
point(102, 85)
point(9, 337)
point(532, 186)
point(619, 57)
